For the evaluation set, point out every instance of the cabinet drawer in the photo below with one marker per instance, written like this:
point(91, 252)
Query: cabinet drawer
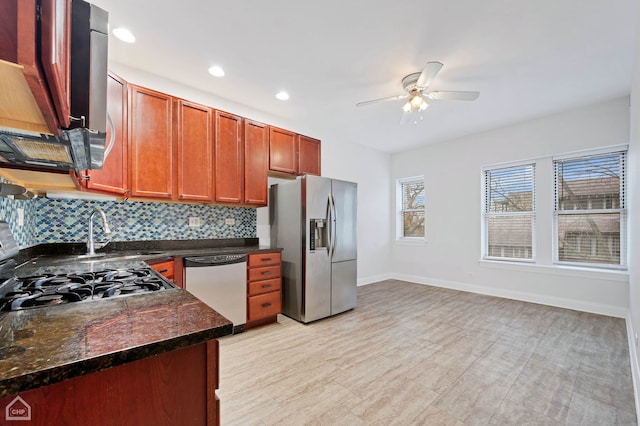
point(264, 286)
point(265, 273)
point(264, 305)
point(263, 259)
point(164, 268)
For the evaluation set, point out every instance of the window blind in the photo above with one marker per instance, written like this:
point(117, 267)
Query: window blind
point(590, 210)
point(509, 212)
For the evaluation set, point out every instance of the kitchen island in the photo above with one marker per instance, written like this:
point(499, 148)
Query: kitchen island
point(139, 359)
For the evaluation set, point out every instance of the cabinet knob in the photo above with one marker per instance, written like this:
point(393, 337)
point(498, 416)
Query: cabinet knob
point(266, 273)
point(266, 305)
point(181, 196)
point(266, 286)
point(266, 259)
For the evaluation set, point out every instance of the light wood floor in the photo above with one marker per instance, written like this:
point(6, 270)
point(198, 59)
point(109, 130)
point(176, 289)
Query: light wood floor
point(416, 355)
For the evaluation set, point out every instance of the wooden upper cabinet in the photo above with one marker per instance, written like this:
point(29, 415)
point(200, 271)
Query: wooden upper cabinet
point(113, 177)
point(228, 158)
point(308, 156)
point(256, 162)
point(28, 100)
point(55, 35)
point(282, 151)
point(194, 134)
point(150, 143)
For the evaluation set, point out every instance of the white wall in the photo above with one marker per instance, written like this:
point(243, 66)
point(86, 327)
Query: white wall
point(633, 322)
point(340, 159)
point(452, 170)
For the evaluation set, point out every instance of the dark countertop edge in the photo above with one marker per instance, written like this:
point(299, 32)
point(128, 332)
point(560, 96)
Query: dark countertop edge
point(148, 250)
point(23, 383)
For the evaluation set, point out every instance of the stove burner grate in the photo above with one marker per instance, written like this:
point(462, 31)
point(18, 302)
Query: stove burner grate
point(49, 289)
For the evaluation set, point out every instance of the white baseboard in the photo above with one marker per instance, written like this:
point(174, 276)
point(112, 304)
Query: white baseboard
point(578, 305)
point(635, 368)
point(374, 279)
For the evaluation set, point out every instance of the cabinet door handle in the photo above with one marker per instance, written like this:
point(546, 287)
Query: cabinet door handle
point(266, 259)
point(163, 271)
point(266, 273)
point(266, 305)
point(266, 286)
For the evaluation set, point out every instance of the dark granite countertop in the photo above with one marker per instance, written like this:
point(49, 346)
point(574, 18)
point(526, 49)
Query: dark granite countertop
point(43, 346)
point(47, 345)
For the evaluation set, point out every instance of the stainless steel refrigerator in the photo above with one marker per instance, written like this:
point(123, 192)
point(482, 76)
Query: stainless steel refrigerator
point(313, 219)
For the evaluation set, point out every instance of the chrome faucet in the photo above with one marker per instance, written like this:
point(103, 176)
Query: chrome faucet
point(91, 246)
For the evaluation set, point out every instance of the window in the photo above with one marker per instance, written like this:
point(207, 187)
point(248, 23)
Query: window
point(509, 213)
point(411, 208)
point(590, 215)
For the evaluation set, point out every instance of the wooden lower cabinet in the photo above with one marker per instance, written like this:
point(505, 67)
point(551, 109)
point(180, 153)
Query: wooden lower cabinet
point(264, 288)
point(174, 388)
point(171, 269)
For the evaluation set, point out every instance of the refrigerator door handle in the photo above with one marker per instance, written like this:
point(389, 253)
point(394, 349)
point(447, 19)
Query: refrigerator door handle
point(329, 226)
point(332, 228)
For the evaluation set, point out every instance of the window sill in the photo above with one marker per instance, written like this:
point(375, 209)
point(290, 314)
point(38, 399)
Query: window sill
point(567, 270)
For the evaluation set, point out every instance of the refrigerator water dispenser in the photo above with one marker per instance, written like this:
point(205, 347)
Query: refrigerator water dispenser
point(318, 234)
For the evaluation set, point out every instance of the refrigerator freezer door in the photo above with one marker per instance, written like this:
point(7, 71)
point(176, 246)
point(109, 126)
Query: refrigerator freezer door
point(345, 196)
point(285, 215)
point(343, 288)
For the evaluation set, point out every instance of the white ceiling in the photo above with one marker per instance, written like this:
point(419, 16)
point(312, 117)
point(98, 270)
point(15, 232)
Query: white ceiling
point(527, 58)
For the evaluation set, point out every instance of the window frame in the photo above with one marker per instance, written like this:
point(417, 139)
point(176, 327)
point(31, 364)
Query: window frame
point(621, 210)
point(485, 215)
point(400, 209)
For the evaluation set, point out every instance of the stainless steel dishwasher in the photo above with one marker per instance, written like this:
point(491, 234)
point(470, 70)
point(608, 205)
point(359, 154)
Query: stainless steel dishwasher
point(220, 281)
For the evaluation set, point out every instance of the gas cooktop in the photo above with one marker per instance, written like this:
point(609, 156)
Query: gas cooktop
point(54, 289)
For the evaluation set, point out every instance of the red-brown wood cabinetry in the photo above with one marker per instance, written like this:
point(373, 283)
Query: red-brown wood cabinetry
point(256, 162)
point(151, 165)
point(282, 151)
point(308, 156)
point(174, 388)
point(194, 130)
point(113, 177)
point(264, 288)
point(55, 18)
point(228, 158)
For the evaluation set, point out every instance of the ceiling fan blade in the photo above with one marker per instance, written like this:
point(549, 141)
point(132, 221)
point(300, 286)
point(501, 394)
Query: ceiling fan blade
point(428, 74)
point(390, 98)
point(453, 96)
point(406, 117)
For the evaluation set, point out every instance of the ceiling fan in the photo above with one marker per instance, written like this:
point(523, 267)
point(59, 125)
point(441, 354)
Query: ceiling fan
point(415, 85)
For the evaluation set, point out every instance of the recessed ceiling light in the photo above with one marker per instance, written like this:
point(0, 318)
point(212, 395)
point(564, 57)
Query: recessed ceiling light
point(124, 35)
point(216, 71)
point(283, 96)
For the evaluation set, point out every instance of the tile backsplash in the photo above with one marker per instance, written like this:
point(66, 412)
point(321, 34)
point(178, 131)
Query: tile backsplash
point(66, 220)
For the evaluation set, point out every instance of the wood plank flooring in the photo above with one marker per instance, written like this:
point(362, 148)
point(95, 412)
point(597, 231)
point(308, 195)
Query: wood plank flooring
point(411, 354)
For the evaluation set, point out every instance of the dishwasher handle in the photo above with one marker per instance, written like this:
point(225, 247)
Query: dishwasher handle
point(213, 260)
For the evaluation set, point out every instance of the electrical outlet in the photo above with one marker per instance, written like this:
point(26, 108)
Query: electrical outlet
point(20, 211)
point(229, 221)
point(194, 221)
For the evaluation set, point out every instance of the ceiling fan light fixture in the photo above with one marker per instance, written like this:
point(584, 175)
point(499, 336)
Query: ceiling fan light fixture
point(416, 101)
point(406, 107)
